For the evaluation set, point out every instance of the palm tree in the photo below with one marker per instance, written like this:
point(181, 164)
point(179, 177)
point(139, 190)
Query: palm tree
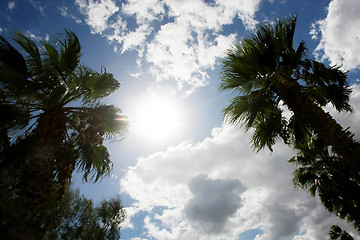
point(55, 122)
point(43, 92)
point(338, 187)
point(267, 73)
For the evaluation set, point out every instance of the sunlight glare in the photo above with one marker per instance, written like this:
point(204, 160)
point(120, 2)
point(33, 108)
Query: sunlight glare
point(157, 119)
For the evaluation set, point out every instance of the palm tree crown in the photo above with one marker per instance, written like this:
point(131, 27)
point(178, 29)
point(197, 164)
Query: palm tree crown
point(51, 95)
point(267, 72)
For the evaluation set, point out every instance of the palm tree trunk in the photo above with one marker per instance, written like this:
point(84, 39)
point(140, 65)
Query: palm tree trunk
point(50, 134)
point(39, 189)
point(322, 123)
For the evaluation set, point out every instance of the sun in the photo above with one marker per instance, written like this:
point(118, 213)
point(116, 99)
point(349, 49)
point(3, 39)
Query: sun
point(156, 118)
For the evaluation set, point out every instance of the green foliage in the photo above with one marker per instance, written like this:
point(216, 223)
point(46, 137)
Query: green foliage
point(78, 218)
point(74, 217)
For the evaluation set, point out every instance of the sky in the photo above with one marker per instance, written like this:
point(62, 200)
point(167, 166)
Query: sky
point(183, 173)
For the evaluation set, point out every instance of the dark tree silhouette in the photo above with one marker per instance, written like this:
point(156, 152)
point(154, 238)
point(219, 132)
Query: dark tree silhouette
point(54, 124)
point(336, 233)
point(78, 218)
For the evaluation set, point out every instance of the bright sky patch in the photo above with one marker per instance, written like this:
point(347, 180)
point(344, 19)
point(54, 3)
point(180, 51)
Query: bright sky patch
point(156, 119)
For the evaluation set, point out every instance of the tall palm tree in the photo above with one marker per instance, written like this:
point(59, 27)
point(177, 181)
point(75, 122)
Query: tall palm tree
point(55, 122)
point(267, 73)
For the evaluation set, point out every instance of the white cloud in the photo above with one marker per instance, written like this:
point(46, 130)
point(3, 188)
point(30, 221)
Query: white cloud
point(190, 180)
point(287, 217)
point(11, 5)
point(184, 49)
point(34, 36)
point(65, 12)
point(97, 13)
point(145, 11)
point(339, 34)
point(136, 38)
point(180, 39)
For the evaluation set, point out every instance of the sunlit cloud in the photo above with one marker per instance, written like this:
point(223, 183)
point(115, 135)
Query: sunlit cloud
point(168, 180)
point(339, 34)
point(180, 40)
point(97, 13)
point(186, 180)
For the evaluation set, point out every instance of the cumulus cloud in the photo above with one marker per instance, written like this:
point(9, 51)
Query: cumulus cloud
point(219, 188)
point(213, 202)
point(180, 39)
point(144, 11)
point(97, 13)
point(283, 214)
point(339, 34)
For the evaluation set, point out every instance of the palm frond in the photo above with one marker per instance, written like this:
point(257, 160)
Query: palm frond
point(258, 110)
point(16, 117)
point(102, 120)
point(66, 57)
point(114, 124)
point(70, 52)
point(51, 57)
point(299, 131)
point(94, 161)
point(336, 233)
point(13, 69)
point(92, 85)
point(10, 57)
point(327, 85)
point(268, 131)
point(34, 61)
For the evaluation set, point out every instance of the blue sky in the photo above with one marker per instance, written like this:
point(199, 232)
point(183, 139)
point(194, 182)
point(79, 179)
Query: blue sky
point(181, 172)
